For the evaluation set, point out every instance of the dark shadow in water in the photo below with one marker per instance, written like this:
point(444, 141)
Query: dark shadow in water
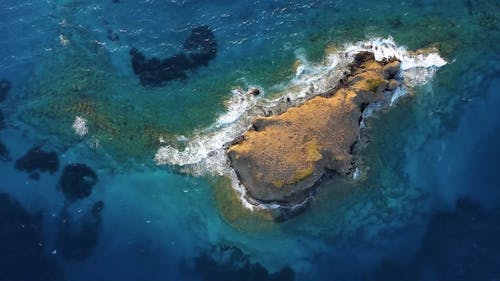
point(200, 47)
point(76, 181)
point(462, 244)
point(21, 245)
point(228, 263)
point(2, 121)
point(112, 36)
point(77, 239)
point(37, 160)
point(5, 86)
point(4, 152)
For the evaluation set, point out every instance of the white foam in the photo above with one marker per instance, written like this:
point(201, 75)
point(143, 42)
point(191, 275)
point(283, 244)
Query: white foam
point(398, 92)
point(80, 126)
point(417, 68)
point(356, 174)
point(204, 152)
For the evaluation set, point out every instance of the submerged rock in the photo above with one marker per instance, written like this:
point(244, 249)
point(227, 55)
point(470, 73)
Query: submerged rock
point(38, 160)
point(78, 238)
point(228, 263)
point(253, 92)
point(283, 156)
point(200, 48)
point(76, 181)
point(22, 245)
point(155, 71)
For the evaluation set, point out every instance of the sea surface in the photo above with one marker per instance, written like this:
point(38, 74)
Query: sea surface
point(109, 176)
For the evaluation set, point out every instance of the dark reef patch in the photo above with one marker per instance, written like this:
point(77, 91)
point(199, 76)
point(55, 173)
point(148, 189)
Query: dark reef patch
point(5, 86)
point(460, 244)
point(77, 239)
point(227, 263)
point(200, 47)
point(154, 71)
point(76, 181)
point(21, 245)
point(38, 160)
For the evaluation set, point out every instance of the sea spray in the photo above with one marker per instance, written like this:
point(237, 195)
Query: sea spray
point(204, 153)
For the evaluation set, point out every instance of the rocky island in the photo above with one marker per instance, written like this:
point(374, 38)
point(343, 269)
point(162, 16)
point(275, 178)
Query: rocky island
point(281, 157)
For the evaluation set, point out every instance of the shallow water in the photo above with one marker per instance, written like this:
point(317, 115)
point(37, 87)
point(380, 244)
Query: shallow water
point(425, 207)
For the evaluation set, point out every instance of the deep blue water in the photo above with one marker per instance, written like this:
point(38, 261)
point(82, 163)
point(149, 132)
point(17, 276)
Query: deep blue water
point(428, 211)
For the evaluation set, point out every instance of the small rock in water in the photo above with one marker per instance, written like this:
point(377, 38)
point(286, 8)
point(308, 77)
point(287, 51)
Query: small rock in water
point(253, 92)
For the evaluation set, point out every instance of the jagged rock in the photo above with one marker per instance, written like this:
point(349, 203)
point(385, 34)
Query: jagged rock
point(391, 69)
point(233, 142)
point(253, 92)
point(284, 155)
point(393, 84)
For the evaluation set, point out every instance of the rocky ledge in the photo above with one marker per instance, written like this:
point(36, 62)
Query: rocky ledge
point(281, 157)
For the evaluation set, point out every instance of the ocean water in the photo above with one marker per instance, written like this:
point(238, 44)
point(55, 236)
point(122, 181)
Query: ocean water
point(163, 207)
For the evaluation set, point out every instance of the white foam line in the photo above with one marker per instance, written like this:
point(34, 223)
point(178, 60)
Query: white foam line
point(204, 152)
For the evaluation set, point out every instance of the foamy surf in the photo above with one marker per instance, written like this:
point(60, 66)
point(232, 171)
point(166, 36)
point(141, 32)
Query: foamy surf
point(204, 153)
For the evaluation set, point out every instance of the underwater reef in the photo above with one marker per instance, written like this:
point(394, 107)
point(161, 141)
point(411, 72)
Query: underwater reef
point(76, 181)
point(37, 160)
point(77, 238)
point(227, 263)
point(282, 157)
point(448, 254)
point(22, 244)
point(200, 48)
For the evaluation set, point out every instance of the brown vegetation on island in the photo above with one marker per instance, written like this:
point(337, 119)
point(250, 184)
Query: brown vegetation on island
point(283, 156)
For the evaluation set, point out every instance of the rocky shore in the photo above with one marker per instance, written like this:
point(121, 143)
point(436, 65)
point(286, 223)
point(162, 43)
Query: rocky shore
point(282, 157)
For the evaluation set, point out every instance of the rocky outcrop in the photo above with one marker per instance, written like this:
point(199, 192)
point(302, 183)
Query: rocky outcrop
point(281, 157)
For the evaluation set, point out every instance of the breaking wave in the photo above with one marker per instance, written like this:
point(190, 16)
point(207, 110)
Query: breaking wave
point(204, 153)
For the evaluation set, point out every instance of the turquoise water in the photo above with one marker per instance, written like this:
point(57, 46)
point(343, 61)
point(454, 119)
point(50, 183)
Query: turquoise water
point(426, 209)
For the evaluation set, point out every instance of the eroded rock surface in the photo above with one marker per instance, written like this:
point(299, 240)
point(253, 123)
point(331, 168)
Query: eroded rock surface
point(283, 156)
